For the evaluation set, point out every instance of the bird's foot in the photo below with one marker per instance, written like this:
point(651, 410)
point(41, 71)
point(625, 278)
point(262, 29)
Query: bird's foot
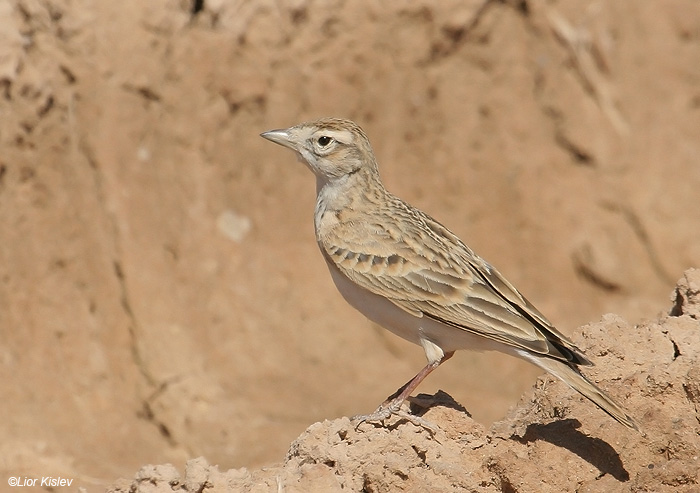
point(390, 408)
point(377, 416)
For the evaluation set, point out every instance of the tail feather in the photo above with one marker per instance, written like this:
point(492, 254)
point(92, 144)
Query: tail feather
point(571, 376)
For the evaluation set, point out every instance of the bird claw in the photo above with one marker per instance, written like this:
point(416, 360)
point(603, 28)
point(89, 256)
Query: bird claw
point(377, 416)
point(382, 413)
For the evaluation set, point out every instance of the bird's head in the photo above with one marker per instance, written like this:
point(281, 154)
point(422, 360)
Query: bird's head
point(332, 148)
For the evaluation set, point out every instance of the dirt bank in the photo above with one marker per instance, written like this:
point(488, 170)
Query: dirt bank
point(161, 293)
point(553, 440)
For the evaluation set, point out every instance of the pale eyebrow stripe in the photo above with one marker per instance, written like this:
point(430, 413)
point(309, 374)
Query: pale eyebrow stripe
point(343, 136)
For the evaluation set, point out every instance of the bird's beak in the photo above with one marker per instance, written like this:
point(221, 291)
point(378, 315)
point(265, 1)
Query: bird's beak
point(281, 137)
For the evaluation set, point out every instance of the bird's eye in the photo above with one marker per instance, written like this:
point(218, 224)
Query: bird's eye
point(324, 140)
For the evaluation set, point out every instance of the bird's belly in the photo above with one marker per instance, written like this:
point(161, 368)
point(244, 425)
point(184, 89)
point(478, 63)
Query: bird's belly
point(410, 327)
point(377, 308)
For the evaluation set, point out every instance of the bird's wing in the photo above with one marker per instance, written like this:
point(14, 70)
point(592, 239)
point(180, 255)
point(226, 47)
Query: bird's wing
point(423, 268)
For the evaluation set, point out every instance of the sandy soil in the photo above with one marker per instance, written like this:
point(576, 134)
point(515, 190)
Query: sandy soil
point(161, 294)
point(553, 441)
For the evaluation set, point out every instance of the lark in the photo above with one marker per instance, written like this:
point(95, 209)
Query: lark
point(410, 274)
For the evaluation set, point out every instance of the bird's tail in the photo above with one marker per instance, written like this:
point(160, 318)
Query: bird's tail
point(571, 376)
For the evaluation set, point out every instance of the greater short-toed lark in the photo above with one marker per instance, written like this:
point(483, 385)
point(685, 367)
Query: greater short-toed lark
point(410, 274)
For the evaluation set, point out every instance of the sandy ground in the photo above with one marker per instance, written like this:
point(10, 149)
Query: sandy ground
point(553, 441)
point(161, 294)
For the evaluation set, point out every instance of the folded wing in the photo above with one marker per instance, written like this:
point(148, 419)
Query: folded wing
point(428, 272)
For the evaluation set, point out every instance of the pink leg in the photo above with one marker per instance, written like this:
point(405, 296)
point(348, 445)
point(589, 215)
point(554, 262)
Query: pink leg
point(393, 402)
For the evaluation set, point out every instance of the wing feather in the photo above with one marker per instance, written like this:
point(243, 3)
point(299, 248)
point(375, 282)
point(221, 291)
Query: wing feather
point(426, 270)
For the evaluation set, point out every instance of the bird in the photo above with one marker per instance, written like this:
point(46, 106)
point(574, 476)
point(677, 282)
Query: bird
point(410, 274)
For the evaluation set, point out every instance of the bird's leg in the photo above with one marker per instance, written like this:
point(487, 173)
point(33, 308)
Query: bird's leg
point(393, 402)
